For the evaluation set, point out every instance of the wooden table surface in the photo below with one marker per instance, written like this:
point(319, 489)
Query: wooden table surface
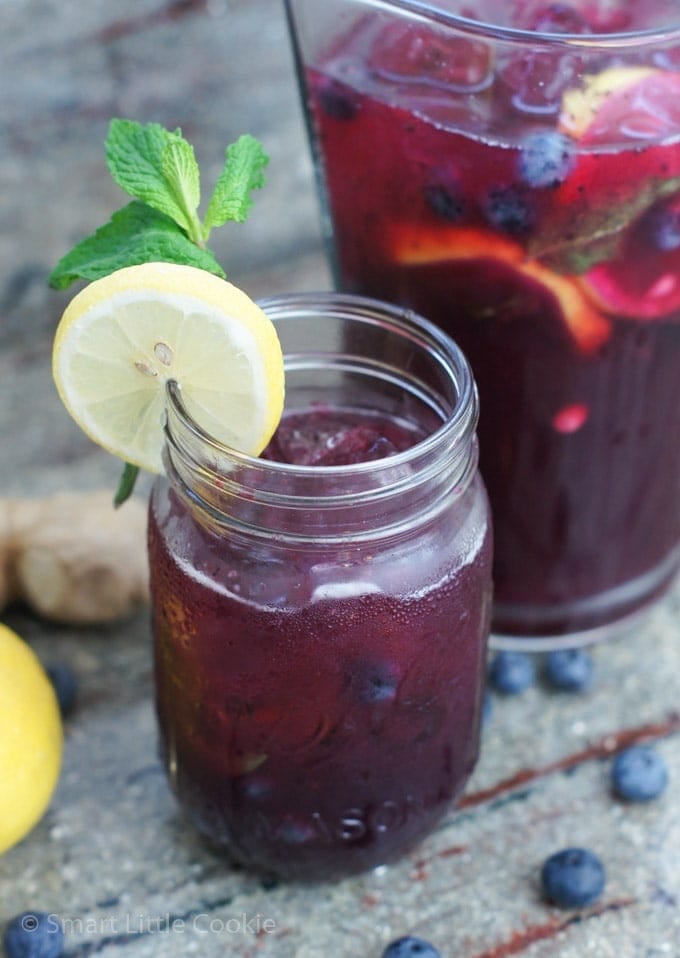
point(113, 857)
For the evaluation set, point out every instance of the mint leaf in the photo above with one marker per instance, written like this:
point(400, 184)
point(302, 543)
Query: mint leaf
point(596, 236)
point(135, 234)
point(580, 255)
point(157, 167)
point(182, 177)
point(126, 484)
point(243, 172)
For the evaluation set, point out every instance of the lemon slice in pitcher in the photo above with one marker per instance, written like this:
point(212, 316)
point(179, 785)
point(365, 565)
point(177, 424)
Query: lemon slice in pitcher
point(123, 337)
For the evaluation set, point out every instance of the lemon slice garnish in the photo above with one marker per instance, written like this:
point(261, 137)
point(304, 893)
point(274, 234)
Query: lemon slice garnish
point(125, 336)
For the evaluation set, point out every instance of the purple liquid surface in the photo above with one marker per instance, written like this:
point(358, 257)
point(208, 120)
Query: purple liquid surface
point(337, 437)
point(318, 714)
point(454, 193)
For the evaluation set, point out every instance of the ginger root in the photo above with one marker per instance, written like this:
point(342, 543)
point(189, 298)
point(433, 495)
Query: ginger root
point(73, 558)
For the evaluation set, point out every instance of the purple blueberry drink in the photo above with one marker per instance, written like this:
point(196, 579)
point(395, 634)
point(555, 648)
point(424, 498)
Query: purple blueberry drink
point(511, 170)
point(320, 614)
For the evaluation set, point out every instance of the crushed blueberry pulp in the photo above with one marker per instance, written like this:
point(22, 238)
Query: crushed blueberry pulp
point(538, 226)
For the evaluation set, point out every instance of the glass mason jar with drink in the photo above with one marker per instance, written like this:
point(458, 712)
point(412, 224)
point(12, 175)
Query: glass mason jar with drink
point(319, 536)
point(511, 170)
point(320, 613)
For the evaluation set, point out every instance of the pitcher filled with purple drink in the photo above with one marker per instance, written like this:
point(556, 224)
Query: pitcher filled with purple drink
point(511, 170)
point(320, 614)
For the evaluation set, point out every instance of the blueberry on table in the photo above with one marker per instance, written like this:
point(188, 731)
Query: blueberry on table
point(573, 878)
point(570, 670)
point(410, 947)
point(511, 672)
point(34, 934)
point(639, 774)
point(65, 685)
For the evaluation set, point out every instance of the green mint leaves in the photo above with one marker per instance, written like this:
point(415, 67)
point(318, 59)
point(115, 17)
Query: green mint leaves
point(599, 230)
point(135, 234)
point(126, 484)
point(159, 169)
point(243, 172)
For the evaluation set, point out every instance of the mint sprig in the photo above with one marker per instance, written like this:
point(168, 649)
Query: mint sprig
point(158, 168)
point(135, 234)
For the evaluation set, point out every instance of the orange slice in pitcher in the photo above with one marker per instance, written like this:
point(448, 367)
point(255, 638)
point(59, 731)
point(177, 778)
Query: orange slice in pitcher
point(506, 275)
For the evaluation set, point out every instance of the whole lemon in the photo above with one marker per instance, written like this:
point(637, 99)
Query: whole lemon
point(30, 739)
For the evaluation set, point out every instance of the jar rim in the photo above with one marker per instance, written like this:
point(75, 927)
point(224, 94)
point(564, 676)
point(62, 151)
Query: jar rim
point(487, 30)
point(456, 431)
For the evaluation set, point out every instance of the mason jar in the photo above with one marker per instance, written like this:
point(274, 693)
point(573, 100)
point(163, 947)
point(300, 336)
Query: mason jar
point(320, 614)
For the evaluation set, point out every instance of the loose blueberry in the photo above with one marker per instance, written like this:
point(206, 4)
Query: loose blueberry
point(639, 774)
point(338, 100)
point(445, 201)
point(570, 670)
point(665, 227)
point(546, 159)
point(410, 947)
point(508, 209)
point(65, 685)
point(376, 682)
point(34, 934)
point(573, 878)
point(511, 672)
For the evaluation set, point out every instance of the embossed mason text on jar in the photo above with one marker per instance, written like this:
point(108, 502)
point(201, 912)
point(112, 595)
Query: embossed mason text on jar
point(320, 614)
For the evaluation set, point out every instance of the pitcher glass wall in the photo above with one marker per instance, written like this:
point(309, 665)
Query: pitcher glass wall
point(511, 170)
